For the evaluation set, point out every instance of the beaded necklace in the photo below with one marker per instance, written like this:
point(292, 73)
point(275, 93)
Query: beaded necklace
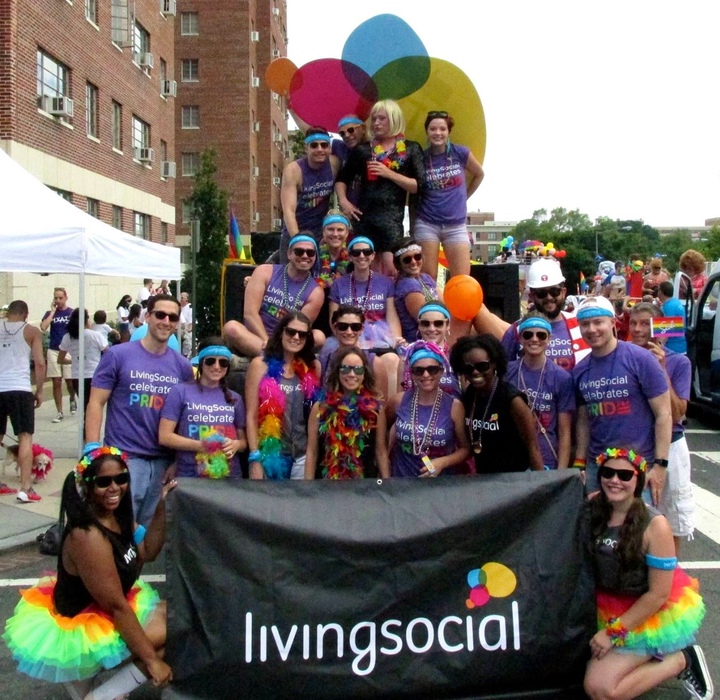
point(428, 293)
point(437, 183)
point(297, 301)
point(329, 268)
point(419, 447)
point(477, 443)
point(354, 298)
point(12, 335)
point(524, 386)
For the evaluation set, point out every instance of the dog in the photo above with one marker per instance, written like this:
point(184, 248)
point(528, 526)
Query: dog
point(10, 459)
point(42, 461)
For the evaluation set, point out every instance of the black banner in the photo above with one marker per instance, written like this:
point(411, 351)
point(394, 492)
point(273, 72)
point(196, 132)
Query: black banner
point(446, 588)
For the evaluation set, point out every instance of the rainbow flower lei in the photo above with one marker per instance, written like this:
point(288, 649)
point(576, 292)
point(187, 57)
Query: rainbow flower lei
point(329, 269)
point(89, 457)
point(276, 458)
point(395, 157)
point(619, 453)
point(346, 421)
point(212, 462)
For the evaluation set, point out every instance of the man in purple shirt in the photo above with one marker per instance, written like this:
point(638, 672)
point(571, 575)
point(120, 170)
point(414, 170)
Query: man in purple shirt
point(623, 398)
point(133, 379)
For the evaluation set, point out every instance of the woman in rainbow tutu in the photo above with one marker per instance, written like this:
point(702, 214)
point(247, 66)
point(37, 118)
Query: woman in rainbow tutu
point(648, 608)
point(96, 613)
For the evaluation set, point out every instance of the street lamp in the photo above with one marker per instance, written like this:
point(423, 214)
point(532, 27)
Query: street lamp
point(194, 249)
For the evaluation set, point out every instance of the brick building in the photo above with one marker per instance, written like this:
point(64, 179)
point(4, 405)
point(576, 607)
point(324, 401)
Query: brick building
point(486, 234)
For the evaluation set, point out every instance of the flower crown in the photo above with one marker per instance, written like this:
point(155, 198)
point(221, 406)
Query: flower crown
point(619, 453)
point(91, 455)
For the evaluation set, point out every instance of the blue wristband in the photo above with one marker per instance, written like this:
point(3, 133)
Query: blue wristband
point(255, 456)
point(664, 563)
point(139, 535)
point(90, 446)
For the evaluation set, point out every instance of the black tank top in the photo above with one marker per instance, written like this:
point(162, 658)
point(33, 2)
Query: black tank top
point(72, 597)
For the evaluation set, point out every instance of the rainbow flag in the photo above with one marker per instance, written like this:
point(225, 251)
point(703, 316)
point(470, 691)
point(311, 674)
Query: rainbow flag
point(583, 283)
point(234, 240)
point(668, 327)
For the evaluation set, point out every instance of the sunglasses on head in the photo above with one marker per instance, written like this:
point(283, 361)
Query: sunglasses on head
point(319, 144)
point(357, 252)
point(480, 367)
point(358, 369)
point(162, 315)
point(622, 474)
point(540, 335)
point(437, 115)
point(102, 482)
point(304, 252)
point(343, 326)
point(552, 291)
point(222, 361)
point(349, 130)
point(409, 258)
point(292, 332)
point(432, 370)
point(436, 324)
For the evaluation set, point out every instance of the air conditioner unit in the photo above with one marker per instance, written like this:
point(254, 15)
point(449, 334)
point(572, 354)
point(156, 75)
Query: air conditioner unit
point(168, 8)
point(144, 60)
point(255, 82)
point(58, 106)
point(168, 88)
point(256, 171)
point(277, 224)
point(256, 126)
point(256, 218)
point(254, 36)
point(289, 153)
point(276, 11)
point(278, 138)
point(145, 155)
point(276, 181)
point(169, 169)
point(276, 53)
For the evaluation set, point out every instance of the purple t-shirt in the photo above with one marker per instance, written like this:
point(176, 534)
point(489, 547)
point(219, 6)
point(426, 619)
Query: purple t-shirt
point(200, 413)
point(58, 327)
point(616, 390)
point(679, 370)
point(559, 349)
point(444, 196)
point(442, 441)
point(556, 395)
point(274, 305)
point(313, 197)
point(139, 382)
point(408, 285)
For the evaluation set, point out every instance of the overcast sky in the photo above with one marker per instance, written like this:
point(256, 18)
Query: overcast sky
point(609, 107)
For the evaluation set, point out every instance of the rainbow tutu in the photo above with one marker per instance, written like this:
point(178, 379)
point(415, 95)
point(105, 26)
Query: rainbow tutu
point(52, 647)
point(670, 629)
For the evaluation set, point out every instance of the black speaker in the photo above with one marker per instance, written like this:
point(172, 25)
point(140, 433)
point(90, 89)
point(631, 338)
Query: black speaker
point(501, 288)
point(263, 245)
point(232, 291)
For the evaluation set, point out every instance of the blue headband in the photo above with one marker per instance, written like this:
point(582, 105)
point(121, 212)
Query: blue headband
point(214, 351)
point(317, 137)
point(335, 219)
point(361, 239)
point(350, 119)
point(592, 312)
point(535, 322)
point(299, 238)
point(434, 307)
point(424, 354)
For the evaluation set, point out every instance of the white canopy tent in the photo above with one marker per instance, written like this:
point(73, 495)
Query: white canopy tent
point(42, 232)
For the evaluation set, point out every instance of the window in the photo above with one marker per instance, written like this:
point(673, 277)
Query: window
point(91, 110)
point(67, 196)
point(492, 236)
point(190, 117)
point(141, 133)
point(53, 77)
point(141, 41)
point(141, 226)
point(163, 150)
point(117, 220)
point(93, 207)
point(190, 163)
point(190, 70)
point(121, 23)
point(91, 11)
point(163, 69)
point(187, 211)
point(117, 125)
point(189, 23)
point(163, 232)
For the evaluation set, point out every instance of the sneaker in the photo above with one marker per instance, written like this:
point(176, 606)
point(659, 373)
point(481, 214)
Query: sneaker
point(73, 407)
point(5, 489)
point(28, 496)
point(59, 418)
point(696, 676)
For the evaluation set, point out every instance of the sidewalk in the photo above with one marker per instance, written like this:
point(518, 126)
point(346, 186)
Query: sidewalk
point(20, 523)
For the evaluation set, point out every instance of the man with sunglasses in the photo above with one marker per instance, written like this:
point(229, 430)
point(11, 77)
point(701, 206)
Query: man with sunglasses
point(271, 292)
point(546, 290)
point(133, 380)
point(307, 184)
point(623, 398)
point(352, 132)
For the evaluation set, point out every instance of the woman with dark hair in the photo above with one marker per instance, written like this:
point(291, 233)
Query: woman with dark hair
point(280, 388)
point(346, 431)
point(97, 612)
point(203, 420)
point(649, 609)
point(134, 320)
point(499, 422)
point(442, 211)
point(123, 311)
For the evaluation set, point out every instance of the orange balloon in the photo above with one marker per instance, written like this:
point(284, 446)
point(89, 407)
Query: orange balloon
point(463, 296)
point(279, 74)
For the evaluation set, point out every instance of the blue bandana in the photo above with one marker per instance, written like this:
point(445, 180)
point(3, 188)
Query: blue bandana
point(535, 322)
point(424, 354)
point(301, 238)
point(361, 239)
point(434, 307)
point(349, 119)
point(335, 219)
point(317, 137)
point(214, 351)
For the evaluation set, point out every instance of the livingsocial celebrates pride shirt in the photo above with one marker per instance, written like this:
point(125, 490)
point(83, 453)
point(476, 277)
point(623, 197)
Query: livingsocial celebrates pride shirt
point(139, 382)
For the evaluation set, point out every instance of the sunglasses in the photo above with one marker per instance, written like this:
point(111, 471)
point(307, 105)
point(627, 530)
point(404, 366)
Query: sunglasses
point(162, 315)
point(436, 324)
point(432, 370)
point(480, 367)
point(409, 258)
point(358, 369)
point(304, 252)
point(438, 115)
point(292, 332)
point(102, 482)
point(349, 130)
point(319, 144)
point(540, 335)
point(343, 326)
point(357, 252)
point(622, 474)
point(222, 361)
point(552, 291)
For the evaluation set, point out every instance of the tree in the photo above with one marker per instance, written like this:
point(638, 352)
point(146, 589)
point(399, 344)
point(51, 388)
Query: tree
point(209, 205)
point(710, 247)
point(673, 246)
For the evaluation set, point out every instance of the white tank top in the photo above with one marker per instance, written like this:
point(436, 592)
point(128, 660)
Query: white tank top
point(14, 357)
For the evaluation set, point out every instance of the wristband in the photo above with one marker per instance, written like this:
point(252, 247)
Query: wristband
point(139, 535)
point(662, 563)
point(579, 463)
point(255, 456)
point(661, 463)
point(616, 631)
point(90, 446)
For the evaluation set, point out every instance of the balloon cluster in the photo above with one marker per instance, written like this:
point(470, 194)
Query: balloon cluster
point(507, 242)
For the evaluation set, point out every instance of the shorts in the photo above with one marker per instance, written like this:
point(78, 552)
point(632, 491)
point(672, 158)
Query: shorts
point(447, 234)
point(385, 236)
point(19, 406)
point(54, 370)
point(677, 503)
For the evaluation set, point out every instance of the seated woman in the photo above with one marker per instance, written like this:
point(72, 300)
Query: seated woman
point(203, 421)
point(347, 431)
point(428, 437)
point(96, 613)
point(648, 608)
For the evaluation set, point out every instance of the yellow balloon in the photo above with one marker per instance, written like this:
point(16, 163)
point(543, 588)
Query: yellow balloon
point(550, 245)
point(447, 89)
point(501, 581)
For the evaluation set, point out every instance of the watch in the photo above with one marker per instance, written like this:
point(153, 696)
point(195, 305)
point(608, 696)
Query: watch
point(661, 463)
